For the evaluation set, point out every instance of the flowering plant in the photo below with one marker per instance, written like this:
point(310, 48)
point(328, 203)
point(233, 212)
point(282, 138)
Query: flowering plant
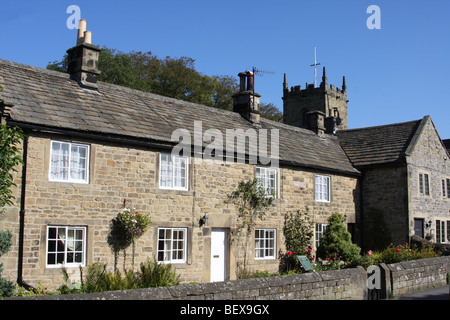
point(132, 223)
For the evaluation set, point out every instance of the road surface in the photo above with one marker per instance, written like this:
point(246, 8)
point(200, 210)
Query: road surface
point(441, 293)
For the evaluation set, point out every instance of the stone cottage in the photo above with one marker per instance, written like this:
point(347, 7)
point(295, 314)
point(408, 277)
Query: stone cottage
point(405, 182)
point(91, 146)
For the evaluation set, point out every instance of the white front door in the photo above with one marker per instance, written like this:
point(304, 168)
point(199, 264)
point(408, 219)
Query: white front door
point(218, 254)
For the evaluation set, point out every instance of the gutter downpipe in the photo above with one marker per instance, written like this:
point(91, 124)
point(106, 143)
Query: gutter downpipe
point(20, 280)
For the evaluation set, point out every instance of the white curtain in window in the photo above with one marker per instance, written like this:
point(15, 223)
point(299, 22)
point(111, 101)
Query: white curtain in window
point(267, 178)
point(78, 162)
point(322, 188)
point(180, 172)
point(59, 164)
point(166, 171)
point(173, 171)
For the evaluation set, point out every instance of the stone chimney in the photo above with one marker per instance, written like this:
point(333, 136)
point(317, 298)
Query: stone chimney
point(315, 122)
point(246, 101)
point(83, 59)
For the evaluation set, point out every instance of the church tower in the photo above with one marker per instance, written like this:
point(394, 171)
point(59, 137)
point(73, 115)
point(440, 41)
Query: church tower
point(322, 109)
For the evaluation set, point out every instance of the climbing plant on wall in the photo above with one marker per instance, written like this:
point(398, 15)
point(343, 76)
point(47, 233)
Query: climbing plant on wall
point(252, 201)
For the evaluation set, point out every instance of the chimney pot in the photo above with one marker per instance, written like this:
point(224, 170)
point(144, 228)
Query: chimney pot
point(87, 37)
point(81, 31)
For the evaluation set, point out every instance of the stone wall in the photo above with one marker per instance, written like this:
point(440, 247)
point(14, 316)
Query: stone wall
point(416, 275)
point(347, 284)
point(385, 207)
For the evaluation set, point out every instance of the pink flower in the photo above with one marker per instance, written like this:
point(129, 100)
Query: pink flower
point(290, 253)
point(313, 258)
point(369, 253)
point(309, 250)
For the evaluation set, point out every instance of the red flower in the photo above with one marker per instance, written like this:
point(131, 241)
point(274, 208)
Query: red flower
point(290, 253)
point(398, 250)
point(309, 250)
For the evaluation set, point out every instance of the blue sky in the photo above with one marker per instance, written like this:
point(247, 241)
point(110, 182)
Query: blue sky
point(394, 74)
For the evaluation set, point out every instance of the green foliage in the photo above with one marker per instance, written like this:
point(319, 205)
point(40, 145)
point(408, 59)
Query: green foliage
point(128, 225)
point(298, 232)
point(336, 242)
point(38, 291)
point(132, 223)
point(171, 77)
point(154, 274)
point(10, 140)
point(5, 241)
point(99, 279)
point(394, 254)
point(6, 286)
point(270, 111)
point(252, 201)
point(246, 274)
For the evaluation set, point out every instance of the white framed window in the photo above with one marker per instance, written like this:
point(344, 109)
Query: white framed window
point(69, 162)
point(446, 188)
point(172, 245)
point(442, 231)
point(173, 172)
point(268, 179)
point(66, 246)
point(424, 184)
point(322, 191)
point(320, 229)
point(265, 243)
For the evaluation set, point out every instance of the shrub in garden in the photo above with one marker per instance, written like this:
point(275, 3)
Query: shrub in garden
point(6, 286)
point(154, 274)
point(398, 253)
point(336, 242)
point(298, 232)
point(99, 279)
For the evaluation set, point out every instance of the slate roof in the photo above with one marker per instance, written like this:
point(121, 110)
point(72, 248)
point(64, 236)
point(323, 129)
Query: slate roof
point(50, 99)
point(378, 145)
point(447, 144)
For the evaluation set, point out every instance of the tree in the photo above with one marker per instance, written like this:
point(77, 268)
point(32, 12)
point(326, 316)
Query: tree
point(171, 77)
point(10, 139)
point(252, 201)
point(270, 111)
point(336, 240)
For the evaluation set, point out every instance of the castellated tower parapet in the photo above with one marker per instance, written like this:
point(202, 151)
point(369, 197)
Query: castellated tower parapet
point(301, 107)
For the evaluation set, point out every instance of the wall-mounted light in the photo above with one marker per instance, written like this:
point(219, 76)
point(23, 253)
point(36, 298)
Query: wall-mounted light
point(203, 220)
point(429, 224)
